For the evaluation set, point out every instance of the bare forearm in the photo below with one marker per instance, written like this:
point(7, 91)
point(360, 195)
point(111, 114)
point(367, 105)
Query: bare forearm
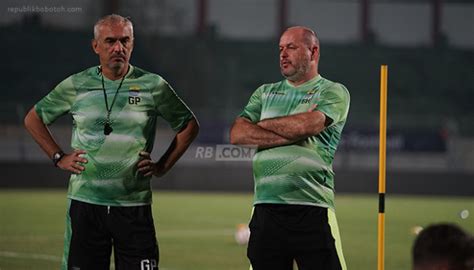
point(178, 146)
point(244, 132)
point(40, 133)
point(296, 127)
point(72, 162)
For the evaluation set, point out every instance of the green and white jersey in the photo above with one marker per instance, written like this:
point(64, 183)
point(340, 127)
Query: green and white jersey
point(110, 176)
point(300, 173)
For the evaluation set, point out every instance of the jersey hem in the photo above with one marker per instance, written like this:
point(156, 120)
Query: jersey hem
point(294, 203)
point(108, 203)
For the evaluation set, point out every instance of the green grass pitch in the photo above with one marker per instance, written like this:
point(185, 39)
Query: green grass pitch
point(195, 230)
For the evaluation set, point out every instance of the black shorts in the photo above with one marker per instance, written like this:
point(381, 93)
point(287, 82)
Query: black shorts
point(92, 230)
point(282, 234)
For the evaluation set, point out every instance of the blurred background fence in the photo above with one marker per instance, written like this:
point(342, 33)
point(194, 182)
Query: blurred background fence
point(216, 53)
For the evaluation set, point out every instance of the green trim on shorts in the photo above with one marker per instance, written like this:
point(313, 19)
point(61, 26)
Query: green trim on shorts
point(251, 214)
point(337, 238)
point(67, 237)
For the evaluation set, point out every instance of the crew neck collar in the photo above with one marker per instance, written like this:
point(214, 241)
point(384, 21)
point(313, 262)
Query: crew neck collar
point(310, 82)
point(129, 73)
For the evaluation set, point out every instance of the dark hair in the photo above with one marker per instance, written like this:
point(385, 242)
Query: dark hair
point(444, 243)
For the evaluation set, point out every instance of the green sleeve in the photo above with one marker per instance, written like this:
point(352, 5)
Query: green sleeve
point(253, 109)
point(57, 103)
point(170, 106)
point(334, 103)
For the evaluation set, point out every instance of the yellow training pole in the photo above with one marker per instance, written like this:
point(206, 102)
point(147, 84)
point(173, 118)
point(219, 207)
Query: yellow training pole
point(382, 162)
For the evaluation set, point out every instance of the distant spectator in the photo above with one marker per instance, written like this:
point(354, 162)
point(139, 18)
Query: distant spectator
point(443, 246)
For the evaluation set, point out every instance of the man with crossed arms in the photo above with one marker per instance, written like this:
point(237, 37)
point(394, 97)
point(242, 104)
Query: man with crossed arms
point(296, 124)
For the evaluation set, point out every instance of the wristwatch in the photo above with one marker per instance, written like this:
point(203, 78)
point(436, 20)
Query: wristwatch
point(57, 157)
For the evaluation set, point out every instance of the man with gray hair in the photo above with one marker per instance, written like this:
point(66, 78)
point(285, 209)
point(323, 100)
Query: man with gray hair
point(114, 107)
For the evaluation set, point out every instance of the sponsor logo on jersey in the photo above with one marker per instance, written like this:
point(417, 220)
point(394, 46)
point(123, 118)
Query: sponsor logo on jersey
point(276, 93)
point(306, 99)
point(94, 89)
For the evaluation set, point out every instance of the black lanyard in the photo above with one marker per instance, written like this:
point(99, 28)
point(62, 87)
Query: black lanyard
point(107, 127)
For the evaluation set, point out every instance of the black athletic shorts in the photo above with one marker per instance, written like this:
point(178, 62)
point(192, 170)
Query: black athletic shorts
point(281, 234)
point(93, 230)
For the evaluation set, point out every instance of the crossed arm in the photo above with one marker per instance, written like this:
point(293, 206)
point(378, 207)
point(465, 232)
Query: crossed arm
point(278, 131)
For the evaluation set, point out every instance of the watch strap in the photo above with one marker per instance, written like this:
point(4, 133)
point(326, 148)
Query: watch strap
point(57, 157)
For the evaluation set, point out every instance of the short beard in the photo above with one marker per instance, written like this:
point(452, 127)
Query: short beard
point(299, 73)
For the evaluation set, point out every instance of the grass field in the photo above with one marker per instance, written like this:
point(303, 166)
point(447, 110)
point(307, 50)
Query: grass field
point(195, 230)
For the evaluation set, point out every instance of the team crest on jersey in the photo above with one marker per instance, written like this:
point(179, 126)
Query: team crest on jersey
point(311, 92)
point(134, 95)
point(308, 97)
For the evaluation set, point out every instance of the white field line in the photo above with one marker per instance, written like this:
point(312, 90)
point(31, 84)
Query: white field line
point(29, 256)
point(18, 255)
point(161, 234)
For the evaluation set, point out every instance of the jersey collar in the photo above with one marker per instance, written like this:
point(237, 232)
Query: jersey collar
point(127, 76)
point(306, 84)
